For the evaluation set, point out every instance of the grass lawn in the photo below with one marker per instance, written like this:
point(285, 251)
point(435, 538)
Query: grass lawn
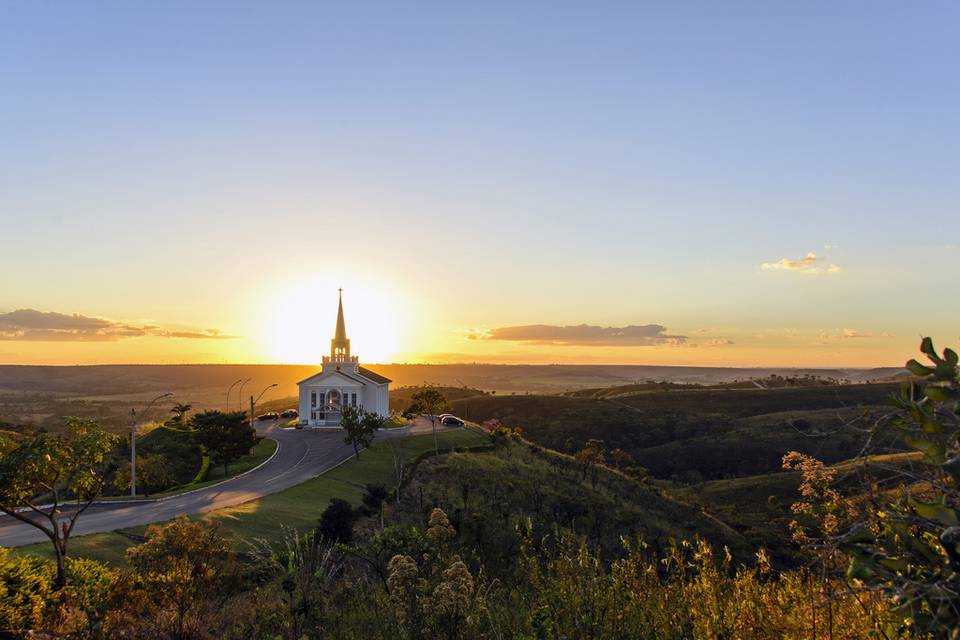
point(260, 453)
point(298, 507)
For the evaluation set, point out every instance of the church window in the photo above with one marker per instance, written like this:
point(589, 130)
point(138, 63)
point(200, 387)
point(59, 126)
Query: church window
point(313, 398)
point(353, 399)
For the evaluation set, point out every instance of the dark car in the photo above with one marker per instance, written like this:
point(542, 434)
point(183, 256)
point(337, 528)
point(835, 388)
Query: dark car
point(270, 415)
point(452, 421)
point(289, 413)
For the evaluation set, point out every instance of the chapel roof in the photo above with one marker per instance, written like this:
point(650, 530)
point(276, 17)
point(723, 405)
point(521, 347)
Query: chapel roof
point(373, 375)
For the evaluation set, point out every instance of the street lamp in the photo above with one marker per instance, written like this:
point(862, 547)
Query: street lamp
point(231, 389)
point(241, 393)
point(133, 443)
point(253, 403)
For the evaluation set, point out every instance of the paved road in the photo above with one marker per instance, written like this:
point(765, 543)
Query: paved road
point(301, 455)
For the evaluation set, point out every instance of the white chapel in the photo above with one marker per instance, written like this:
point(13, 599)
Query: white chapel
point(341, 382)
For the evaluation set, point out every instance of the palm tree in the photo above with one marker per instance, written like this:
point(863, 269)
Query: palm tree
point(180, 411)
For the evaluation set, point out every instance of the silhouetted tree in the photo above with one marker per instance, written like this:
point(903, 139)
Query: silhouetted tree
point(336, 522)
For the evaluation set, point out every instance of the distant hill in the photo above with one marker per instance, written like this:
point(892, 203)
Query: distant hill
point(148, 378)
point(41, 395)
point(690, 435)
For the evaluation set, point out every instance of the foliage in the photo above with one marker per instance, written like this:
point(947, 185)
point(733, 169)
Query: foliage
point(359, 427)
point(488, 494)
point(180, 411)
point(153, 474)
point(437, 597)
point(373, 499)
point(591, 458)
point(29, 598)
point(429, 401)
point(178, 580)
point(55, 469)
point(179, 449)
point(226, 435)
point(902, 537)
point(699, 434)
point(686, 592)
point(26, 586)
point(336, 522)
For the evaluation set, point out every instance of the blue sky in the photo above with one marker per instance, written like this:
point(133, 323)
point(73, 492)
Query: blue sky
point(485, 166)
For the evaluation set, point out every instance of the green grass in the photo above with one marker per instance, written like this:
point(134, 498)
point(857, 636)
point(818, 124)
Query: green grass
point(264, 449)
point(298, 507)
point(110, 547)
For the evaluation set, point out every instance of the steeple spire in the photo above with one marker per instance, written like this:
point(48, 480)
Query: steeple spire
point(341, 334)
point(340, 345)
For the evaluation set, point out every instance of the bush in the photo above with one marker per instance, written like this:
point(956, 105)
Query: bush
point(336, 523)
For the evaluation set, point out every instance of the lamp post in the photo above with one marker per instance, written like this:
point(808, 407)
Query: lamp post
point(241, 393)
point(231, 389)
point(133, 444)
point(464, 398)
point(253, 403)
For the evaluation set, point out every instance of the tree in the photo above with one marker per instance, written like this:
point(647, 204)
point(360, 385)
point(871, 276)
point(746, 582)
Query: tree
point(430, 402)
point(180, 577)
point(590, 458)
point(63, 471)
point(359, 427)
point(336, 522)
point(153, 472)
point(901, 536)
point(226, 435)
point(374, 498)
point(621, 459)
point(180, 411)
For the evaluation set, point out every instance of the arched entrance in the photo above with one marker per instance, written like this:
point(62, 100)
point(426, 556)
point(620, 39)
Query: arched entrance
point(333, 400)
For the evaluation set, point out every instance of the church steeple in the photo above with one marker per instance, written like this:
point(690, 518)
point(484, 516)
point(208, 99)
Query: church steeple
point(340, 345)
point(341, 335)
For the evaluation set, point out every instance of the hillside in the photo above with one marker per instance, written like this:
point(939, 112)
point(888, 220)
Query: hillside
point(488, 494)
point(697, 434)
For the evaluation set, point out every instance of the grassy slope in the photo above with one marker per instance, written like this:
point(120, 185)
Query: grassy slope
point(693, 435)
point(264, 449)
point(298, 507)
point(759, 506)
point(486, 495)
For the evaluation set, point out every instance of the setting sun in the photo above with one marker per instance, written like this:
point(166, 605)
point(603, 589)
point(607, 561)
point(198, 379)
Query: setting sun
point(298, 321)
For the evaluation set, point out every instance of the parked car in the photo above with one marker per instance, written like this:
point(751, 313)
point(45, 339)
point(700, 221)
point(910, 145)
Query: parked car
point(270, 415)
point(289, 413)
point(451, 421)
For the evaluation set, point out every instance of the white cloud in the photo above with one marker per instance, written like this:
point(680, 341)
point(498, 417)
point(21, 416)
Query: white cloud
point(810, 264)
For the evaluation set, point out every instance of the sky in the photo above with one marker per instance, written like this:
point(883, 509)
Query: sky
point(688, 183)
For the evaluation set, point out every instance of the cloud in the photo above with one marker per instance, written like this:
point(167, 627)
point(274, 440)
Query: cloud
point(809, 264)
point(646, 335)
point(851, 334)
point(30, 325)
point(718, 342)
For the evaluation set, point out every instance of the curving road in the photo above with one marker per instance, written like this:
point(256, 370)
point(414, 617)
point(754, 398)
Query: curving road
point(301, 455)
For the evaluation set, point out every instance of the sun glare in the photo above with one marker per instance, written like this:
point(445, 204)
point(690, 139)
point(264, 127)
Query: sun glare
point(300, 321)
